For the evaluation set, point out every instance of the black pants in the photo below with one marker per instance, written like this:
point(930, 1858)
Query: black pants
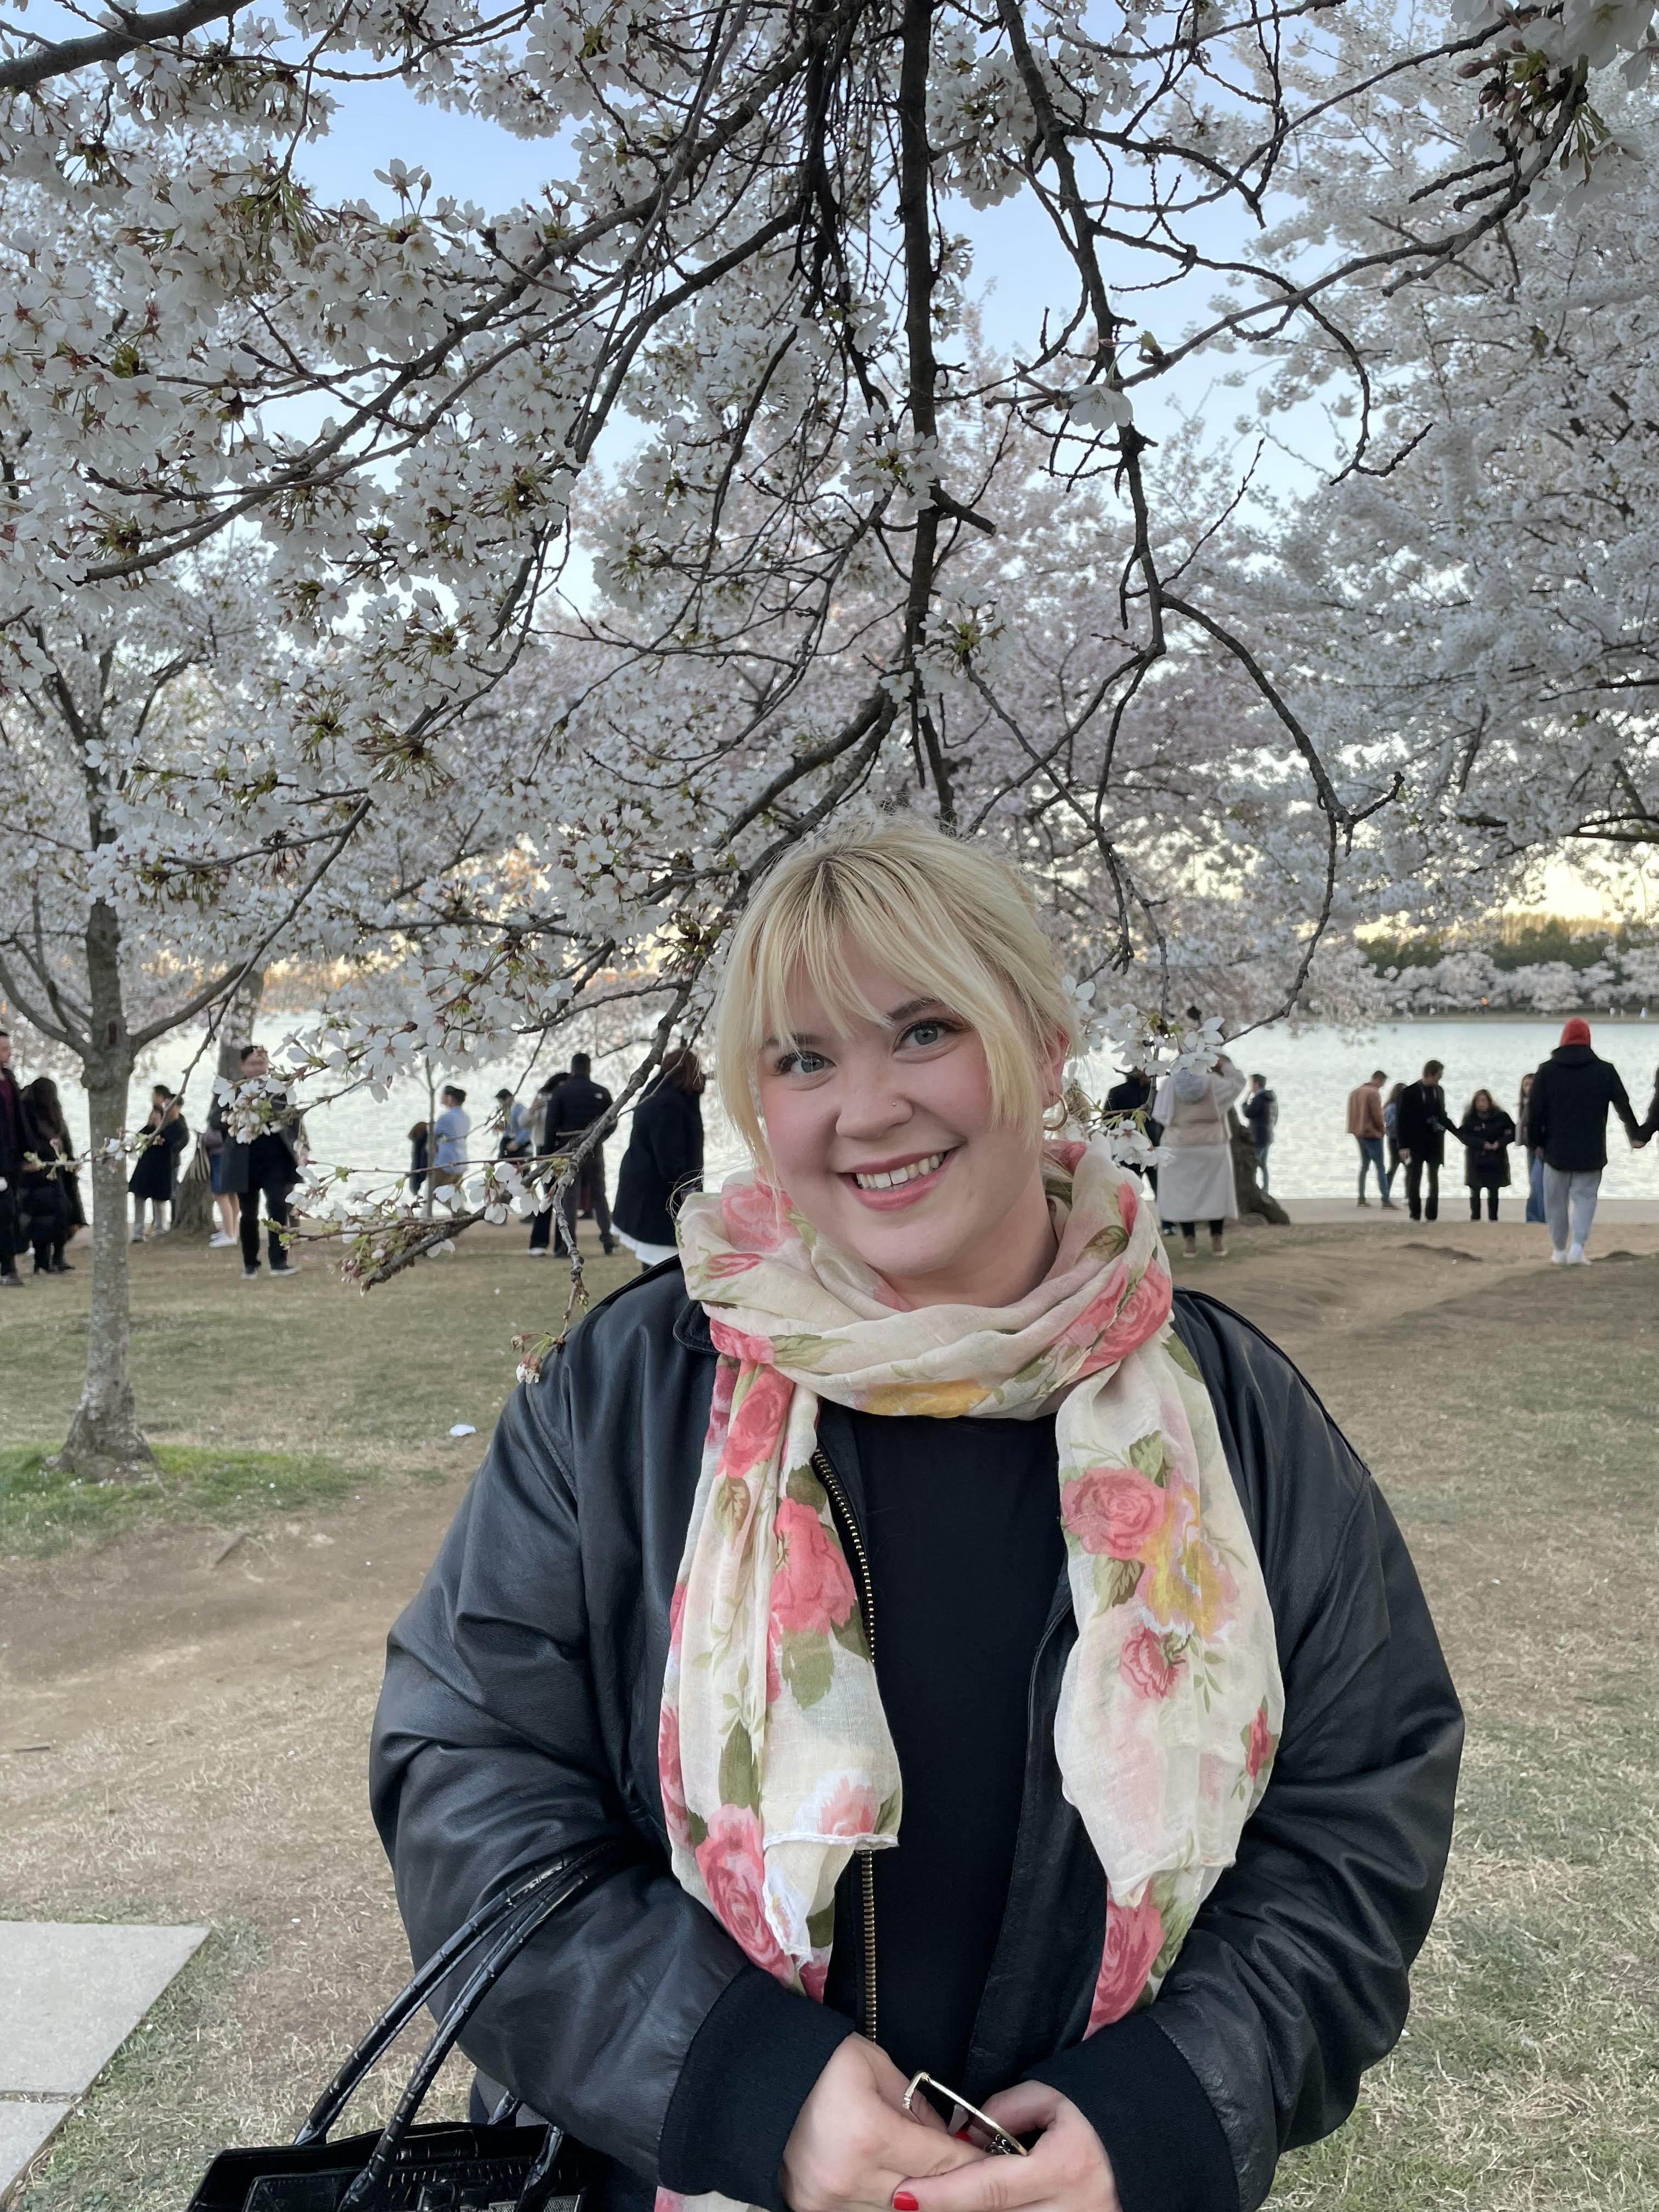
point(48, 1224)
point(1414, 1168)
point(1491, 1190)
point(10, 1233)
point(1217, 1228)
point(585, 1190)
point(268, 1179)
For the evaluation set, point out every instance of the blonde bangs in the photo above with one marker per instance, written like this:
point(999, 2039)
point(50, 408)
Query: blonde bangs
point(951, 920)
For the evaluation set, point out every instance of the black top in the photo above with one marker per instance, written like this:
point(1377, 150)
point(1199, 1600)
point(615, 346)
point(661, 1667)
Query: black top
point(664, 1160)
point(1487, 1138)
point(1420, 1123)
point(573, 1106)
point(962, 1528)
point(1567, 1109)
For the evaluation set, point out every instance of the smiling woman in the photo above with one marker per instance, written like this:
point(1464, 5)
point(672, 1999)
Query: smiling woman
point(997, 1665)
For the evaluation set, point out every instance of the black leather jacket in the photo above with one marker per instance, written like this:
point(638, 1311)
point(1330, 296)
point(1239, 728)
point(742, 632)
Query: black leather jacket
point(521, 1710)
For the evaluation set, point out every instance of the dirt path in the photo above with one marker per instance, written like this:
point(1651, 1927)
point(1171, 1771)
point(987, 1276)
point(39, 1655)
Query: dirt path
point(157, 1622)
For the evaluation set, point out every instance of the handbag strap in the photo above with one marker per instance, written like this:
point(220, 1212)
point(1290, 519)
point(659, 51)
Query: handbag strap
point(577, 1875)
point(409, 1999)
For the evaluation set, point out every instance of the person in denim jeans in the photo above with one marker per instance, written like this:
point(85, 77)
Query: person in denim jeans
point(1367, 1128)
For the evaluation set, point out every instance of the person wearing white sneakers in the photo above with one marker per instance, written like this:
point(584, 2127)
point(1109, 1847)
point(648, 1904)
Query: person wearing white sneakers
point(1567, 1121)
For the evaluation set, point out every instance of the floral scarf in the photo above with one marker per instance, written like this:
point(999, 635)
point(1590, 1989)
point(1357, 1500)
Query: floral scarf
point(775, 1759)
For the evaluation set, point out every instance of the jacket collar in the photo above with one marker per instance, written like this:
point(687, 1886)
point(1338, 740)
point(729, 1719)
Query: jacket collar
point(691, 1326)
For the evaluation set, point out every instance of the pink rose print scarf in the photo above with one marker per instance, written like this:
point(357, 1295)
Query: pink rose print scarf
point(776, 1758)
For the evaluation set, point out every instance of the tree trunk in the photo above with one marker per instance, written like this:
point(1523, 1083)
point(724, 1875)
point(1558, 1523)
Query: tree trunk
point(105, 1442)
point(1252, 1199)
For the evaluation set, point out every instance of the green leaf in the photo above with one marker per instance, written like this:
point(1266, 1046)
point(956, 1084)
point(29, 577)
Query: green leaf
point(730, 1506)
point(739, 1778)
point(805, 1489)
point(696, 1829)
point(887, 1819)
point(1183, 1359)
point(1147, 1454)
point(849, 1634)
point(821, 1927)
point(1116, 1580)
point(809, 1666)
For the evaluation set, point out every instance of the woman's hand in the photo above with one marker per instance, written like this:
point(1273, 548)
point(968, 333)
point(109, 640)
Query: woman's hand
point(1068, 2169)
point(853, 2143)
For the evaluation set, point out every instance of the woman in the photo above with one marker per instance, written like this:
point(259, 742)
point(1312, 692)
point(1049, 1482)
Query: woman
point(1534, 1158)
point(49, 1215)
point(664, 1160)
point(154, 1177)
point(1486, 1132)
point(1196, 1159)
point(926, 1611)
point(1391, 1132)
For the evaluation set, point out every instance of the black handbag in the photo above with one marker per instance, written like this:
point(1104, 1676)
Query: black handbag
point(504, 2166)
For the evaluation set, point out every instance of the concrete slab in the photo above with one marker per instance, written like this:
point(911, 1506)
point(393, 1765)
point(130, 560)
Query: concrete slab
point(71, 1993)
point(26, 2123)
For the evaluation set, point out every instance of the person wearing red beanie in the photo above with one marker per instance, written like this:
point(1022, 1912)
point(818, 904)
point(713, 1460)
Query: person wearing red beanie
point(1567, 1122)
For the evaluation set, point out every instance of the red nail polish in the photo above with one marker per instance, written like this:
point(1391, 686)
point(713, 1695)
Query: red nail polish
point(904, 2200)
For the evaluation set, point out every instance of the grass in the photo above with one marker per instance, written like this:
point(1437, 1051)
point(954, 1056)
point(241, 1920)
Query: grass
point(42, 1510)
point(1511, 1419)
point(318, 1380)
point(1523, 1458)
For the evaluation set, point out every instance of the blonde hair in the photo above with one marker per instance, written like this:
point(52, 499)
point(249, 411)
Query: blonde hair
point(950, 919)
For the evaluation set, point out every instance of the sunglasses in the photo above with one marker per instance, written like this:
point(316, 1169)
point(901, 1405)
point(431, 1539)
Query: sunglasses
point(965, 2121)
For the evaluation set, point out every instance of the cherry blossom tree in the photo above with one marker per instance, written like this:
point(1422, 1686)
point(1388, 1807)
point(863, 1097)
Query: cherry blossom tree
point(851, 555)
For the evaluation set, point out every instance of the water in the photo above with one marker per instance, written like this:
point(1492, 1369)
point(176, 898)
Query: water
point(1312, 1070)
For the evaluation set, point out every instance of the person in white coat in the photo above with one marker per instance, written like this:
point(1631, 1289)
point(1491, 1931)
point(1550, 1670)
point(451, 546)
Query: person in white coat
point(1195, 1158)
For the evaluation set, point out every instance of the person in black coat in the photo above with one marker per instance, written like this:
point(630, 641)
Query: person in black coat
point(1421, 1127)
point(48, 1215)
point(1486, 1132)
point(155, 1176)
point(263, 1169)
point(15, 1139)
point(664, 1159)
point(1134, 1095)
point(1650, 1127)
point(571, 1108)
point(1572, 1094)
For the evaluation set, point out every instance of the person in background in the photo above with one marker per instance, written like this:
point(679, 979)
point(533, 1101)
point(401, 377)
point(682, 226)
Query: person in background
point(1486, 1132)
point(516, 1140)
point(1368, 1129)
point(157, 1172)
point(1650, 1127)
point(47, 1212)
point(664, 1159)
point(1260, 1112)
point(419, 1141)
point(1534, 1158)
point(450, 1132)
point(1391, 1131)
point(571, 1110)
point(211, 1137)
point(1567, 1120)
point(16, 1139)
point(1133, 1094)
point(264, 1171)
point(1196, 1159)
point(1422, 1124)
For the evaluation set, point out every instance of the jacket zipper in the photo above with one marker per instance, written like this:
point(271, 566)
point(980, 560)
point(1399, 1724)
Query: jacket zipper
point(867, 1860)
